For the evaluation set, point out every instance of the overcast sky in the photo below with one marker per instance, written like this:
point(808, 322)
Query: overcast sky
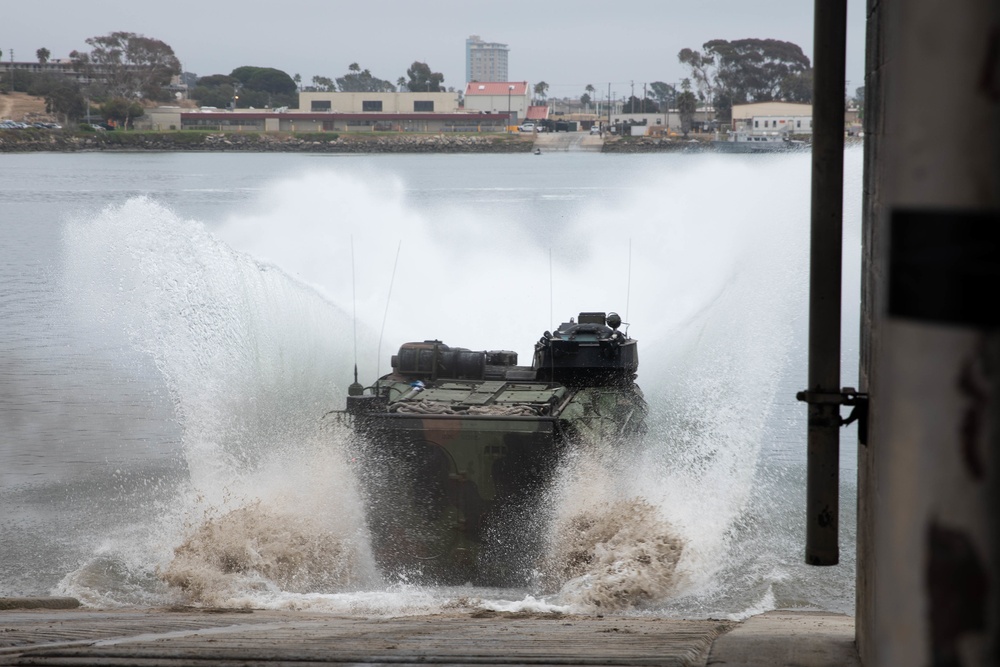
point(566, 44)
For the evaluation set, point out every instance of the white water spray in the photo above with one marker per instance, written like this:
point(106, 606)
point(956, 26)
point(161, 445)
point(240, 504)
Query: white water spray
point(254, 354)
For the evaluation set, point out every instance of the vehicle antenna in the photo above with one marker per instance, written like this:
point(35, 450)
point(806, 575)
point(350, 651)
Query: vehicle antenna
point(386, 315)
point(355, 389)
point(628, 289)
point(552, 321)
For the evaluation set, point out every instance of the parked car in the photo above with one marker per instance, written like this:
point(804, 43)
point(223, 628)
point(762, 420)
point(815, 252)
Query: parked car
point(526, 127)
point(595, 129)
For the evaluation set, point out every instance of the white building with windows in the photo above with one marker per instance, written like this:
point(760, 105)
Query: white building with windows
point(405, 102)
point(485, 61)
point(783, 117)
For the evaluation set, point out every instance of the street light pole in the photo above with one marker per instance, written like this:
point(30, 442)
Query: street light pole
point(510, 89)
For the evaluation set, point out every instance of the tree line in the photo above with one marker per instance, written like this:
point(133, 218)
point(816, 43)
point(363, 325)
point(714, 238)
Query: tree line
point(119, 71)
point(724, 73)
point(124, 69)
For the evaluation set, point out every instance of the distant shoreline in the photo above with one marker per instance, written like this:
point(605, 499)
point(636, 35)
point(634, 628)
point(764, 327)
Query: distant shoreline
point(57, 141)
point(38, 140)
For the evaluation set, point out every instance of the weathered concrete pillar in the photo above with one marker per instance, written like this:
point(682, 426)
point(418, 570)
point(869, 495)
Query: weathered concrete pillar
point(928, 583)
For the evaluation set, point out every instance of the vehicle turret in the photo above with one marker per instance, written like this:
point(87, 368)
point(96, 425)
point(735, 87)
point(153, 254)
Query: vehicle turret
point(457, 447)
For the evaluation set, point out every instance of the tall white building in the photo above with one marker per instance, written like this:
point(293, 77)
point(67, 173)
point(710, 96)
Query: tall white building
point(485, 61)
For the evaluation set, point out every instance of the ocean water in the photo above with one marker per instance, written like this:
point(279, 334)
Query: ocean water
point(174, 327)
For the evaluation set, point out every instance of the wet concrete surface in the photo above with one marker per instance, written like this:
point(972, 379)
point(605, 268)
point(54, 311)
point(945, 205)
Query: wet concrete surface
point(191, 636)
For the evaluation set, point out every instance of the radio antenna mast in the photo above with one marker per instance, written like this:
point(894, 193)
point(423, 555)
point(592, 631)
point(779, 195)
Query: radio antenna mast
point(628, 289)
point(552, 321)
point(388, 298)
point(354, 305)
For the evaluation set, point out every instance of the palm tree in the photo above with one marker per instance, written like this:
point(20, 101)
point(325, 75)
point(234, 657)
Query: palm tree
point(590, 92)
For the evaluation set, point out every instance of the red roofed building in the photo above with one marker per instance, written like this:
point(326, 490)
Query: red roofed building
point(498, 97)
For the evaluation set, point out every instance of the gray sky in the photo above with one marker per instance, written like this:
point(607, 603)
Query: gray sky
point(566, 44)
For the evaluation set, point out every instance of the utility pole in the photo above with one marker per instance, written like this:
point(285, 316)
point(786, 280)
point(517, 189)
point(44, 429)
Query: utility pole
point(609, 106)
point(10, 72)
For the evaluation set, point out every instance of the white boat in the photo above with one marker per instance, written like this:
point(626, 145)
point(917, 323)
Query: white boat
point(758, 142)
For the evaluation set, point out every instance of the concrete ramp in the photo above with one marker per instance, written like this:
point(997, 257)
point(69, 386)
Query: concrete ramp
point(206, 636)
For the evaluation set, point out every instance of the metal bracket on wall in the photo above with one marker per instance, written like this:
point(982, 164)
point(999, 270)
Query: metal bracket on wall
point(846, 396)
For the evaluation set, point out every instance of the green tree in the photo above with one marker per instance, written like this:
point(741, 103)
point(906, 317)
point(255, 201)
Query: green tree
point(687, 104)
point(585, 100)
point(265, 80)
point(62, 96)
point(17, 80)
point(420, 78)
point(213, 96)
point(324, 84)
point(541, 90)
point(43, 55)
point(297, 78)
point(798, 87)
point(754, 69)
point(664, 94)
point(128, 65)
point(263, 87)
point(121, 111)
point(214, 90)
point(859, 99)
point(636, 105)
point(702, 70)
point(217, 80)
point(747, 70)
point(359, 80)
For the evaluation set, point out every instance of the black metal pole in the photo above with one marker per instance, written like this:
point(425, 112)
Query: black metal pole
point(823, 458)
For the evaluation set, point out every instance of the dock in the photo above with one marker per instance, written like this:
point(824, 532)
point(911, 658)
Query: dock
point(207, 636)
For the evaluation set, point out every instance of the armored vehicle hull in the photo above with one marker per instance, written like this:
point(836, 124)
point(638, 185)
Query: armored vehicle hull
point(458, 447)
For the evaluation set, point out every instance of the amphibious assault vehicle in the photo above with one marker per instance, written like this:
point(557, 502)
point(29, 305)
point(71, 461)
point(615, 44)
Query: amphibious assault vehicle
point(457, 447)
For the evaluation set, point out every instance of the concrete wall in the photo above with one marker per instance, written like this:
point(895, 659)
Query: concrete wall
point(928, 581)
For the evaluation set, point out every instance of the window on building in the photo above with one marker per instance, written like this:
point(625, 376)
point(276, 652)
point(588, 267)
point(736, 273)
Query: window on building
point(756, 123)
point(371, 105)
point(423, 105)
point(798, 123)
point(320, 105)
